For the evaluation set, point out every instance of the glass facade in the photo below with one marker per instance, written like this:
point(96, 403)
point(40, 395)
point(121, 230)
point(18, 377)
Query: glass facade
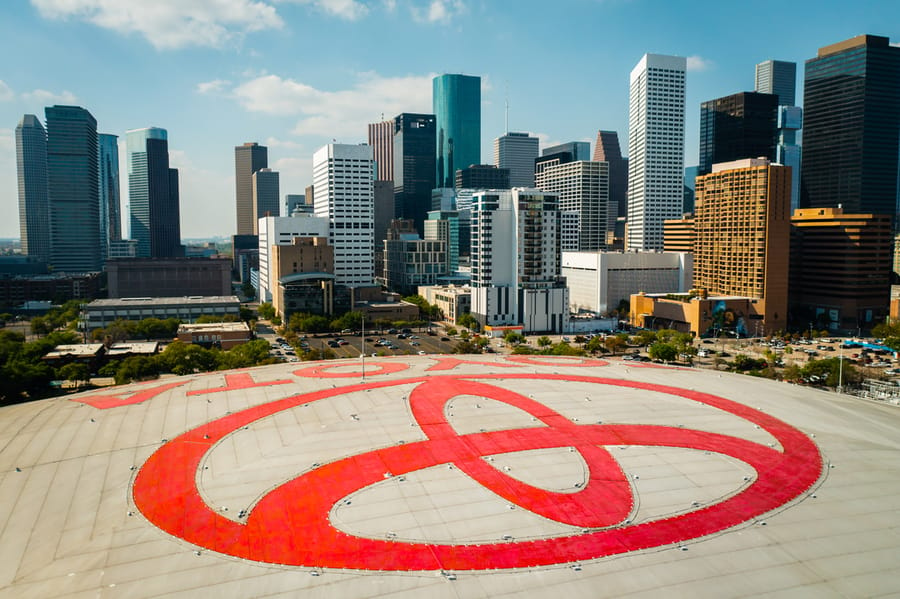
point(152, 194)
point(110, 221)
point(738, 126)
point(73, 183)
point(414, 159)
point(851, 128)
point(457, 109)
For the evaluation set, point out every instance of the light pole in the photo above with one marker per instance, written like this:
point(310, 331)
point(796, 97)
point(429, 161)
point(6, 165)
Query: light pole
point(362, 347)
point(841, 370)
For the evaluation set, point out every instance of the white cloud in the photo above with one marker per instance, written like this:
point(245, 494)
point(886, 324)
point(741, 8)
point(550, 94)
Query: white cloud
point(698, 63)
point(344, 9)
point(274, 142)
point(6, 93)
point(438, 11)
point(195, 188)
point(546, 141)
point(169, 24)
point(212, 87)
point(336, 114)
point(46, 98)
point(390, 5)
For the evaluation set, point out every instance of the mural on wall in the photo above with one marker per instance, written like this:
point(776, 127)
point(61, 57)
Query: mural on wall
point(726, 320)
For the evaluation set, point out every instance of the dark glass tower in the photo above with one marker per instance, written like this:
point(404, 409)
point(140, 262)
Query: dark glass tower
point(413, 153)
point(738, 126)
point(153, 194)
point(31, 171)
point(607, 150)
point(457, 109)
point(73, 189)
point(110, 221)
point(851, 129)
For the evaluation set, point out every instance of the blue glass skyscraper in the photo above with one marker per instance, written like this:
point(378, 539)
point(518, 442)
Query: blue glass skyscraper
point(73, 183)
point(457, 109)
point(110, 222)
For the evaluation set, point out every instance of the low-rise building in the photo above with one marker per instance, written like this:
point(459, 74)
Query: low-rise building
point(699, 314)
point(452, 301)
point(168, 277)
point(103, 312)
point(599, 281)
point(223, 335)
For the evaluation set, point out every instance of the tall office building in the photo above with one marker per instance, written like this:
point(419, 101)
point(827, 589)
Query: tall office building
point(457, 110)
point(607, 150)
point(516, 152)
point(248, 159)
point(443, 225)
point(482, 176)
point(840, 269)
point(582, 187)
point(742, 230)
point(580, 150)
point(738, 126)
point(343, 178)
point(265, 191)
point(516, 260)
point(73, 189)
point(153, 195)
point(851, 129)
point(31, 173)
point(777, 77)
point(414, 140)
point(110, 218)
point(655, 148)
point(279, 231)
point(296, 202)
point(381, 138)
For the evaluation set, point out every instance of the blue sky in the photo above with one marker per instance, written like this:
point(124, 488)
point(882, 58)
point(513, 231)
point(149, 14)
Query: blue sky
point(295, 74)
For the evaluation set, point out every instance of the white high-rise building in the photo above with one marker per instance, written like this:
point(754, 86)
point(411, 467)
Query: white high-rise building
point(655, 148)
point(583, 189)
point(516, 260)
point(343, 178)
point(517, 151)
point(281, 230)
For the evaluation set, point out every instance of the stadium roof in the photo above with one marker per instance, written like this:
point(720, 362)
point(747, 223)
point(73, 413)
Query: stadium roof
point(455, 476)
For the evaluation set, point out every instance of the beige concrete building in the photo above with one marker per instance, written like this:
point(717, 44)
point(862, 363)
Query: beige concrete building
point(742, 235)
point(453, 301)
point(313, 258)
point(223, 335)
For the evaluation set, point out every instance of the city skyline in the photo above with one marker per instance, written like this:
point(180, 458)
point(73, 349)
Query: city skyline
point(229, 82)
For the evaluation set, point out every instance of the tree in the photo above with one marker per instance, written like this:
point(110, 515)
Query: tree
point(75, 372)
point(544, 341)
point(40, 325)
point(468, 321)
point(614, 343)
point(136, 368)
point(187, 358)
point(348, 320)
point(466, 347)
point(645, 338)
point(513, 338)
point(666, 352)
point(266, 311)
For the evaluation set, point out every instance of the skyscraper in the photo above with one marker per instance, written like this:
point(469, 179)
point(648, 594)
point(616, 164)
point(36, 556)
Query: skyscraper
point(516, 152)
point(742, 229)
point(777, 77)
point(265, 192)
point(413, 172)
point(110, 219)
point(31, 172)
point(482, 176)
point(580, 150)
point(655, 148)
point(248, 159)
point(582, 187)
point(737, 126)
point(607, 150)
point(153, 195)
point(73, 189)
point(343, 178)
point(457, 110)
point(851, 129)
point(381, 138)
point(516, 260)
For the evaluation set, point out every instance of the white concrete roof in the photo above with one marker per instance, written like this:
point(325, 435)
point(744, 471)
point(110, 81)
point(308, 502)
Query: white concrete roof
point(540, 478)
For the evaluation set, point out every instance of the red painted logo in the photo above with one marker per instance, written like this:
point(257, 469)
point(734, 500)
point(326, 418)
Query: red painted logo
point(290, 525)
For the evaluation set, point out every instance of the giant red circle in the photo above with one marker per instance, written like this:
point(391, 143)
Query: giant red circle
point(290, 525)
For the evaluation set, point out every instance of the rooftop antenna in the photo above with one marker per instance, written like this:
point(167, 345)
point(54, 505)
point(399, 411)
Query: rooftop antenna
point(506, 123)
